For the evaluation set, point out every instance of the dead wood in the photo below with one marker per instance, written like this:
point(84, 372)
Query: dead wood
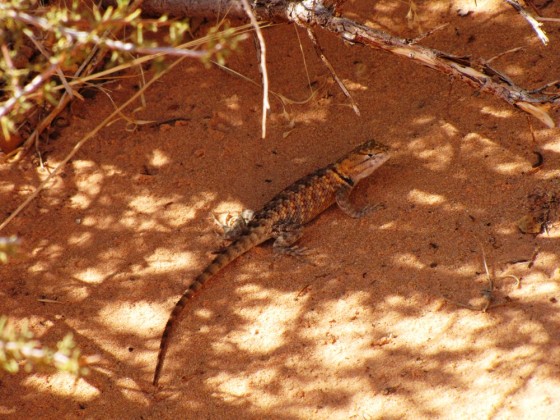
point(316, 13)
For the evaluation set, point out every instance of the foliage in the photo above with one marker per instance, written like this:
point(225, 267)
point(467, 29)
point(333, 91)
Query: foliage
point(8, 247)
point(41, 46)
point(19, 348)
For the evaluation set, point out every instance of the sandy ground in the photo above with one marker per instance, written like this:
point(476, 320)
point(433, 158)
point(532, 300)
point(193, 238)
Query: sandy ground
point(362, 329)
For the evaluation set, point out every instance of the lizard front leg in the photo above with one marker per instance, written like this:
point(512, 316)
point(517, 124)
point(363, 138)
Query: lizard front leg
point(343, 201)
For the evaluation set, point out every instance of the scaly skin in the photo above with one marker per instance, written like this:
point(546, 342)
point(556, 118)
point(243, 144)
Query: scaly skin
point(283, 217)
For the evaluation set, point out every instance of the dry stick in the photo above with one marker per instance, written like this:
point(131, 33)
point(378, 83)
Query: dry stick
point(266, 103)
point(50, 301)
point(485, 79)
point(84, 139)
point(536, 25)
point(326, 62)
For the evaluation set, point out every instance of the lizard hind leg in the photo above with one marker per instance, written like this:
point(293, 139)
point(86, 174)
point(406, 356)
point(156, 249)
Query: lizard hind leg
point(240, 225)
point(234, 225)
point(284, 239)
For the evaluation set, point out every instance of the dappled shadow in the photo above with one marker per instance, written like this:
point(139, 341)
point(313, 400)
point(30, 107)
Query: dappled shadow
point(360, 327)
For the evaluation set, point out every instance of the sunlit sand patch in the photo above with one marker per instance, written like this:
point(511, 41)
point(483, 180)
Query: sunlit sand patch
point(425, 198)
point(159, 158)
point(64, 385)
point(267, 323)
point(140, 317)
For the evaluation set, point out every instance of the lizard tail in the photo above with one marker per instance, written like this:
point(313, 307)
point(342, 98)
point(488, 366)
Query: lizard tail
point(234, 250)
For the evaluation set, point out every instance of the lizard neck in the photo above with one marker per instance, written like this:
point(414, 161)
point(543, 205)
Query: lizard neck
point(340, 173)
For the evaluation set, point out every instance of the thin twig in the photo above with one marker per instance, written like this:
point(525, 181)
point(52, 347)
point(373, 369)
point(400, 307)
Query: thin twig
point(502, 54)
point(255, 24)
point(50, 301)
point(461, 304)
point(326, 62)
point(429, 33)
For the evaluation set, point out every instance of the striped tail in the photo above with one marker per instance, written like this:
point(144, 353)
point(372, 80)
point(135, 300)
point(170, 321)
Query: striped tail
point(237, 248)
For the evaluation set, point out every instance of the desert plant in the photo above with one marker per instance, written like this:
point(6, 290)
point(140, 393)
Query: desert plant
point(19, 348)
point(46, 49)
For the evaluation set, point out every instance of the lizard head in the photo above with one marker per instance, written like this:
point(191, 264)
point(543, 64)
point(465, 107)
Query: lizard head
point(363, 160)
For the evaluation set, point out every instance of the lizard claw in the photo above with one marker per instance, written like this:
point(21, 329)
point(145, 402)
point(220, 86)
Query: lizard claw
point(375, 207)
point(370, 208)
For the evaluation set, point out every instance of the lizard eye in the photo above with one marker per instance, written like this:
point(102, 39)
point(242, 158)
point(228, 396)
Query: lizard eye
point(370, 154)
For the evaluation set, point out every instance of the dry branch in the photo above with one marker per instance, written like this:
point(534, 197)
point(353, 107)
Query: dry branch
point(311, 13)
point(535, 24)
point(262, 62)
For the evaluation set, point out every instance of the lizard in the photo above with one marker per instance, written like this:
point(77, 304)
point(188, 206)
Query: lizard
point(284, 215)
